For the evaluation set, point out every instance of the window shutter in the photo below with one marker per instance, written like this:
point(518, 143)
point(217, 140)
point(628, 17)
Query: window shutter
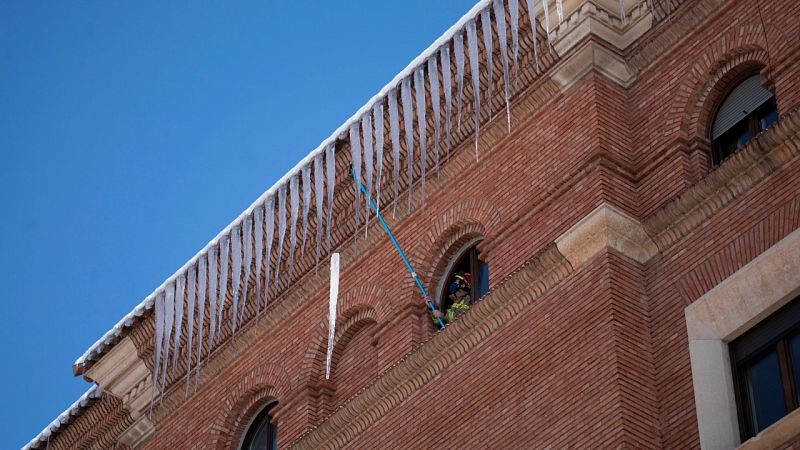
point(743, 100)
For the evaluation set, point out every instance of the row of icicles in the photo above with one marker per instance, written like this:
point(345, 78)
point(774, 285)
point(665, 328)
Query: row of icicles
point(249, 245)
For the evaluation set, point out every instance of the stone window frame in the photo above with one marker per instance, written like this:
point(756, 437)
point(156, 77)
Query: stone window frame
point(724, 313)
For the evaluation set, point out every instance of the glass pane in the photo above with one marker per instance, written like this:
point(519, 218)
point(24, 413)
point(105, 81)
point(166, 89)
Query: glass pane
point(766, 391)
point(794, 354)
point(483, 278)
point(261, 437)
point(767, 114)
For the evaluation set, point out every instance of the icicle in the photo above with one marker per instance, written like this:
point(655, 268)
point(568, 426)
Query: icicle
point(190, 304)
point(332, 312)
point(202, 280)
point(225, 249)
point(306, 174)
point(180, 286)
point(500, 17)
point(458, 49)
point(294, 206)
point(281, 231)
point(560, 11)
point(169, 313)
point(448, 94)
point(366, 130)
point(355, 155)
point(258, 235)
point(422, 124)
point(319, 186)
point(213, 297)
point(247, 244)
point(433, 79)
point(236, 274)
point(330, 173)
point(534, 33)
point(513, 9)
point(394, 130)
point(159, 326)
point(408, 125)
point(622, 15)
point(486, 26)
point(377, 120)
point(269, 208)
point(546, 20)
point(472, 41)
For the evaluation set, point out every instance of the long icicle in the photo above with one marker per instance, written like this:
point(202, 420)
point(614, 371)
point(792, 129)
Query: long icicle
point(269, 218)
point(377, 121)
point(281, 232)
point(169, 312)
point(294, 207)
point(433, 79)
point(236, 274)
point(560, 11)
point(408, 125)
point(486, 28)
point(190, 304)
point(448, 95)
point(319, 186)
point(534, 33)
point(366, 133)
point(180, 286)
point(422, 124)
point(513, 10)
point(334, 294)
point(472, 42)
point(247, 247)
point(355, 157)
point(394, 131)
point(213, 254)
point(546, 20)
point(159, 325)
point(458, 50)
point(500, 17)
point(202, 283)
point(330, 173)
point(258, 237)
point(225, 250)
point(306, 175)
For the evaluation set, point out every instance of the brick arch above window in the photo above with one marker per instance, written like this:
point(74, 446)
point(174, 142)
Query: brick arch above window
point(734, 54)
point(262, 385)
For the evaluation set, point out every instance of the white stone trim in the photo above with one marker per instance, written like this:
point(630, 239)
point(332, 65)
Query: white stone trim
point(724, 313)
point(605, 227)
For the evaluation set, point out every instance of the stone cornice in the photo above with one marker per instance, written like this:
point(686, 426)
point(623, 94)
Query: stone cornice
point(606, 227)
point(420, 366)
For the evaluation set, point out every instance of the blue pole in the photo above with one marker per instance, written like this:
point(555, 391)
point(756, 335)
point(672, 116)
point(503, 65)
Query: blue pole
point(374, 207)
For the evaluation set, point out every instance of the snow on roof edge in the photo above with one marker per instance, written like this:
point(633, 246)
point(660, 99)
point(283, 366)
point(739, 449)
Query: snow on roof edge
point(94, 392)
point(109, 337)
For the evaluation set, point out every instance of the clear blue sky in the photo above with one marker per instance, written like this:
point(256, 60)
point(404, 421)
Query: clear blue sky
point(131, 133)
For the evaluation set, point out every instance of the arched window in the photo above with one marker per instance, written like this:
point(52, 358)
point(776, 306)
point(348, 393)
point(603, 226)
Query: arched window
point(262, 434)
point(747, 110)
point(466, 280)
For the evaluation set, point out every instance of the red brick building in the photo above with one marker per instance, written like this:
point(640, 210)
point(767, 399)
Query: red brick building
point(636, 208)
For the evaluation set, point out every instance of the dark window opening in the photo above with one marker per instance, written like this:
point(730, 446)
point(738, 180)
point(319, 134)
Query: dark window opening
point(466, 282)
point(263, 432)
point(766, 362)
point(748, 110)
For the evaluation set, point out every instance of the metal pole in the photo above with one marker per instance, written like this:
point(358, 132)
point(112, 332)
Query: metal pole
point(374, 207)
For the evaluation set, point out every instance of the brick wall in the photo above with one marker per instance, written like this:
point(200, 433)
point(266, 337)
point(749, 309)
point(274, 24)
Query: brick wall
point(600, 358)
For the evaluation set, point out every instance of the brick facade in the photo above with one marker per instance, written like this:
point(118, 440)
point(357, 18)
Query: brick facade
point(556, 354)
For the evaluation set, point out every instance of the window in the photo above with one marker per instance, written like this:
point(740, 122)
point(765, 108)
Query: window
point(466, 280)
point(748, 110)
point(766, 364)
point(262, 433)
